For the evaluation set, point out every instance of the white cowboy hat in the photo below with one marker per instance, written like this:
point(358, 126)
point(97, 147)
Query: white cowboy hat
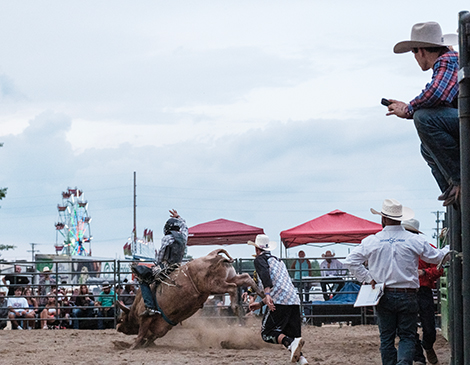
point(393, 209)
point(424, 35)
point(328, 254)
point(411, 225)
point(46, 269)
point(263, 243)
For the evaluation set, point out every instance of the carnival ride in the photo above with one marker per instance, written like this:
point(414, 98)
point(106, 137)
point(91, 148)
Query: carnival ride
point(140, 248)
point(74, 224)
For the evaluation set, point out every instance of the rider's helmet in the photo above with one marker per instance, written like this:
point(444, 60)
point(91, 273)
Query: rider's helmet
point(171, 224)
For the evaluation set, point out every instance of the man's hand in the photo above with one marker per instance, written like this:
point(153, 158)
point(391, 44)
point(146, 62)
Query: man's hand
point(174, 213)
point(373, 282)
point(269, 302)
point(421, 272)
point(254, 306)
point(398, 108)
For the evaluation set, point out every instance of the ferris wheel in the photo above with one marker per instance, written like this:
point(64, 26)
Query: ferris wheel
point(74, 224)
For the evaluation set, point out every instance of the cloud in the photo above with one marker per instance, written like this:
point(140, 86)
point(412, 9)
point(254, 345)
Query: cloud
point(264, 113)
point(8, 89)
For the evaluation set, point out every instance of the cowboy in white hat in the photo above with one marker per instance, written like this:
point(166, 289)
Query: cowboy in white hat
point(282, 323)
point(46, 283)
point(434, 110)
point(392, 255)
point(331, 267)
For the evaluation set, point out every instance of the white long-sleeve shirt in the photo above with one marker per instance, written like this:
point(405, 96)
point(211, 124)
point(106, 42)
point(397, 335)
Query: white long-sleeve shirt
point(335, 268)
point(392, 255)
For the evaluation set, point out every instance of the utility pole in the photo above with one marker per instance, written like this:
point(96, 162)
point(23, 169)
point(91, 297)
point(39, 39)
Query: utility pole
point(134, 248)
point(33, 250)
point(438, 226)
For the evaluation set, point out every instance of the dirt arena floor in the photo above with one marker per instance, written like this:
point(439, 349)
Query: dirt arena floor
point(196, 342)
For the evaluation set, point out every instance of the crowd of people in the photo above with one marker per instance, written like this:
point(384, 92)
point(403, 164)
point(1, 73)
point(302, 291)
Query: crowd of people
point(49, 306)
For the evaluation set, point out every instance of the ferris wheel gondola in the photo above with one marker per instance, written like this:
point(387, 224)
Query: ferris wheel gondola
point(74, 224)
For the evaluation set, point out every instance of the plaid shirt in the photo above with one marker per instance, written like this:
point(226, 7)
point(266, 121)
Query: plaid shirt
point(168, 239)
point(273, 274)
point(443, 89)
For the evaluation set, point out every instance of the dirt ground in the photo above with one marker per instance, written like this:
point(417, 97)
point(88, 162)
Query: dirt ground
point(196, 342)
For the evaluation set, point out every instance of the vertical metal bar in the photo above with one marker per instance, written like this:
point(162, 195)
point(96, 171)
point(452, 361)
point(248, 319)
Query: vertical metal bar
point(464, 120)
point(456, 285)
point(118, 281)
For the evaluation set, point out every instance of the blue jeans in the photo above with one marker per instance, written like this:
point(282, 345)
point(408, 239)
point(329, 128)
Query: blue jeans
point(438, 130)
point(107, 312)
point(303, 287)
point(147, 295)
point(397, 314)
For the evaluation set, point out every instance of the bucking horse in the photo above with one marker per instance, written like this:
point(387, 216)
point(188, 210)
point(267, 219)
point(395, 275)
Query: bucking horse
point(182, 295)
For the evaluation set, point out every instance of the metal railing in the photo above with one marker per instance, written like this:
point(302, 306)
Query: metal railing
point(68, 275)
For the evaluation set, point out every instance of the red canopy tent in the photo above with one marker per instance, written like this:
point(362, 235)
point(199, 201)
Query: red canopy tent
point(222, 232)
point(336, 226)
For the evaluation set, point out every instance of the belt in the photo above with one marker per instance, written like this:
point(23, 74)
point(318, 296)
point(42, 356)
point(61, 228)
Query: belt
point(401, 290)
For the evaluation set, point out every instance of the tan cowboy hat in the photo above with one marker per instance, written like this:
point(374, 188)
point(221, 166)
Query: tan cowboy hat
point(411, 225)
point(263, 243)
point(424, 35)
point(393, 209)
point(328, 254)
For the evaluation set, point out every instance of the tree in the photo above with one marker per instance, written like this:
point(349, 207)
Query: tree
point(6, 247)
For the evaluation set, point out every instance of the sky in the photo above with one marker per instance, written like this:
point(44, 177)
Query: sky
point(262, 112)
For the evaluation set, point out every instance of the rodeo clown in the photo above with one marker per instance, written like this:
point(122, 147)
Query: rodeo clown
point(168, 259)
point(281, 323)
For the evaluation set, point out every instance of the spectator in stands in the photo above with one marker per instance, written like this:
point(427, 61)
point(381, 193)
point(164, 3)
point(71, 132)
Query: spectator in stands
point(15, 280)
point(302, 268)
point(46, 282)
point(250, 296)
point(428, 274)
point(3, 307)
point(50, 313)
point(66, 312)
point(84, 303)
point(33, 305)
point(105, 304)
point(331, 267)
point(18, 307)
point(127, 295)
